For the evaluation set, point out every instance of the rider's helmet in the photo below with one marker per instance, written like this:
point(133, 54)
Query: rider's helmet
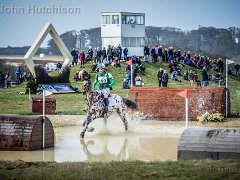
point(101, 65)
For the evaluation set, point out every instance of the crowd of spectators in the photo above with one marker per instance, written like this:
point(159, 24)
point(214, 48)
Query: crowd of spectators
point(175, 60)
point(111, 55)
point(6, 80)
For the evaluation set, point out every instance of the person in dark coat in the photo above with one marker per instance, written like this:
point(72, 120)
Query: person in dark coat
point(104, 54)
point(204, 77)
point(237, 67)
point(160, 53)
point(74, 55)
point(90, 52)
point(165, 79)
point(146, 53)
point(159, 76)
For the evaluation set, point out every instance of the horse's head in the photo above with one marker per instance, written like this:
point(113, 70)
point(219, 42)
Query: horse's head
point(87, 86)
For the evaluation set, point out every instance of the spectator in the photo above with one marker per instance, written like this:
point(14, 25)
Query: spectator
point(174, 75)
point(196, 80)
point(104, 54)
point(137, 69)
point(170, 55)
point(125, 54)
point(220, 65)
point(109, 54)
point(190, 77)
point(59, 65)
point(98, 55)
point(74, 55)
point(153, 53)
point(119, 50)
point(185, 76)
point(146, 53)
point(237, 67)
point(138, 80)
point(84, 75)
point(164, 79)
point(159, 76)
point(8, 79)
point(134, 59)
point(90, 52)
point(128, 67)
point(94, 67)
point(117, 62)
point(142, 69)
point(204, 77)
point(127, 80)
point(160, 53)
point(81, 59)
point(18, 73)
point(2, 79)
point(76, 76)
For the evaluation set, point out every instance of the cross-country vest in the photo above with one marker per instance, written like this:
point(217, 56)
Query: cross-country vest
point(103, 80)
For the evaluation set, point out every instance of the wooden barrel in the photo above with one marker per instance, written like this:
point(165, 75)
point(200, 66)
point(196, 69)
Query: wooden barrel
point(22, 132)
point(205, 143)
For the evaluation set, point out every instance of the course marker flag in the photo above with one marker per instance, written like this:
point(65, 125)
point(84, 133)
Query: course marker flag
point(183, 94)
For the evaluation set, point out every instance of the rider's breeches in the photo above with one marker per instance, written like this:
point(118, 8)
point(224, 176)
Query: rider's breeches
point(106, 92)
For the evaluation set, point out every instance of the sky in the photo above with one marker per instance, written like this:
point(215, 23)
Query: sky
point(20, 23)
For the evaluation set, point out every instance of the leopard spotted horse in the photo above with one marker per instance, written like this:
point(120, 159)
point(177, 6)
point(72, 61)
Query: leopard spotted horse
point(96, 109)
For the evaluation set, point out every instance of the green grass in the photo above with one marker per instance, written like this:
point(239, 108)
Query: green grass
point(13, 103)
point(121, 170)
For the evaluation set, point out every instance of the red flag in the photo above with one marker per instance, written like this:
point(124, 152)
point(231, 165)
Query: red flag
point(184, 93)
point(129, 62)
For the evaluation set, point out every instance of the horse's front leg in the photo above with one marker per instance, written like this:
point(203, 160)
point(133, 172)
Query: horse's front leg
point(105, 121)
point(85, 126)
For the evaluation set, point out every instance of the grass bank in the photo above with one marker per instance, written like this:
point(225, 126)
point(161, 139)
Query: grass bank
point(121, 170)
point(13, 103)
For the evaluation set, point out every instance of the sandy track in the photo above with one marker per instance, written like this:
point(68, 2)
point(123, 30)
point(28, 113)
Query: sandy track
point(76, 120)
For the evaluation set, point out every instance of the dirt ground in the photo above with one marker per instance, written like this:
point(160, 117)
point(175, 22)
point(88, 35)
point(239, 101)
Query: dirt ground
point(76, 120)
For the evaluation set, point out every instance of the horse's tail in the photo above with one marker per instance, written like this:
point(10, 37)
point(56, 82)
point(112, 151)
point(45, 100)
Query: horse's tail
point(130, 103)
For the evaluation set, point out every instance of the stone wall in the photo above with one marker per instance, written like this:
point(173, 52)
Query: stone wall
point(165, 102)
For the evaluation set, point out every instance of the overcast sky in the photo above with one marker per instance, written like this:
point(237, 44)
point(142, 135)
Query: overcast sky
point(21, 23)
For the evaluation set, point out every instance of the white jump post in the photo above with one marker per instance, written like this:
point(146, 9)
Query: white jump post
point(184, 94)
point(186, 104)
point(228, 61)
point(43, 127)
point(29, 93)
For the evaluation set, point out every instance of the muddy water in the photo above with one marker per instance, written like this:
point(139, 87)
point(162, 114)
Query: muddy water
point(145, 140)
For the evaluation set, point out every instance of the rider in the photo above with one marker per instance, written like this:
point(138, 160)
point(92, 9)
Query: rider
point(105, 81)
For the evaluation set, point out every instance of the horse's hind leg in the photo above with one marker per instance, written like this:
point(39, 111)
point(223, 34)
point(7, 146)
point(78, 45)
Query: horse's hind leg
point(122, 114)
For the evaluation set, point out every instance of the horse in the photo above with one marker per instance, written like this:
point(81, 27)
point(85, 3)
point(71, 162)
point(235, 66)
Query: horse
point(97, 109)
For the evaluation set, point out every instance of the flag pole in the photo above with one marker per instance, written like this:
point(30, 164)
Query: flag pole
point(43, 121)
point(185, 95)
point(131, 76)
point(29, 93)
point(186, 103)
point(226, 114)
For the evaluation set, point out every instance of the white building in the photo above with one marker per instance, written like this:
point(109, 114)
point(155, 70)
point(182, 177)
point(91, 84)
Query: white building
point(124, 28)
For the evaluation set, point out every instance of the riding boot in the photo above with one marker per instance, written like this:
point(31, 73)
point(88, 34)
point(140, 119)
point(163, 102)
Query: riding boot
point(106, 102)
